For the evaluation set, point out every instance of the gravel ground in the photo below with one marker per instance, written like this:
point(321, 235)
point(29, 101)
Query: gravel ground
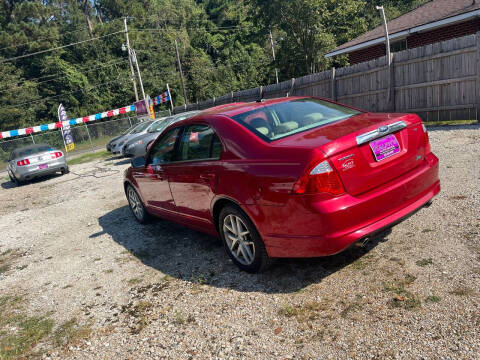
point(73, 251)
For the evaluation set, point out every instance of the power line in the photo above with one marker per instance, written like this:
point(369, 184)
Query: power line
point(49, 37)
point(47, 76)
point(60, 47)
point(62, 77)
point(224, 28)
point(56, 96)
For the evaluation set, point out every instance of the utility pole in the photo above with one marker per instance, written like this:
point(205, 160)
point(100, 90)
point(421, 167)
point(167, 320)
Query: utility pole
point(130, 60)
point(273, 53)
point(181, 73)
point(387, 37)
point(138, 71)
point(391, 72)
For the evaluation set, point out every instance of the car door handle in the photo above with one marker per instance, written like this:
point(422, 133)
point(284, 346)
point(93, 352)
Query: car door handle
point(207, 178)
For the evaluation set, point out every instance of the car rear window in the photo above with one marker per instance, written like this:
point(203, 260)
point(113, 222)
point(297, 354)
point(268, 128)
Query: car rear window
point(32, 150)
point(279, 120)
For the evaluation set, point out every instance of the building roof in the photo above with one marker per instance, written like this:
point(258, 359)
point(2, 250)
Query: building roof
point(435, 13)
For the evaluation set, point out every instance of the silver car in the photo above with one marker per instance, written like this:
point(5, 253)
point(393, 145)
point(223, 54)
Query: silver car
point(137, 146)
point(35, 160)
point(116, 146)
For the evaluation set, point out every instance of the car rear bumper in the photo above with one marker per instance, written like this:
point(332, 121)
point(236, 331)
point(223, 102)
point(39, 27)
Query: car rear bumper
point(327, 226)
point(34, 172)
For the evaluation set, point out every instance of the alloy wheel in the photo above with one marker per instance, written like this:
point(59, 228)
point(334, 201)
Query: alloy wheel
point(135, 203)
point(238, 239)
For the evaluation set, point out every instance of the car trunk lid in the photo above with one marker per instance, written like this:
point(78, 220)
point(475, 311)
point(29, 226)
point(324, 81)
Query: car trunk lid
point(377, 154)
point(349, 145)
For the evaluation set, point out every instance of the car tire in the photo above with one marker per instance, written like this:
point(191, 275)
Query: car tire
point(136, 206)
point(241, 240)
point(65, 170)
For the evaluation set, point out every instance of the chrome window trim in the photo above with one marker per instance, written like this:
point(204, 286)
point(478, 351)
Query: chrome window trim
point(375, 134)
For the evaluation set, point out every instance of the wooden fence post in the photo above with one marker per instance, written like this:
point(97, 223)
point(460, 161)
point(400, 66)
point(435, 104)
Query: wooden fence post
point(391, 90)
point(477, 73)
point(334, 85)
point(292, 86)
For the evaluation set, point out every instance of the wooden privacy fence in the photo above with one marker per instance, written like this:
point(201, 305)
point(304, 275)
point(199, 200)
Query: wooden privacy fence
point(440, 82)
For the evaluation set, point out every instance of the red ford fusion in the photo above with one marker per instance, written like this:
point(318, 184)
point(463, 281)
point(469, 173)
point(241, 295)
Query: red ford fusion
point(290, 177)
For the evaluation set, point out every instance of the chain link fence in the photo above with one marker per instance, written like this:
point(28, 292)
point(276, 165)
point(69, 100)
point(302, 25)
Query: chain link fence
point(88, 137)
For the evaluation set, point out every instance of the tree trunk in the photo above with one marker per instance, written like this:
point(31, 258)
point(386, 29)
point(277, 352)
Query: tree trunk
point(86, 11)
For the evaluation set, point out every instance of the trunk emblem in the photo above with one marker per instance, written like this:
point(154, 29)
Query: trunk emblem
point(348, 164)
point(383, 128)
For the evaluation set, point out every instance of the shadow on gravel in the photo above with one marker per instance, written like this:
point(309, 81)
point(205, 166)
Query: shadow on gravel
point(10, 185)
point(192, 256)
point(123, 162)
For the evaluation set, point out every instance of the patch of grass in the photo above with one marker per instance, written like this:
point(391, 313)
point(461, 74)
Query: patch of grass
point(108, 271)
point(426, 230)
point(462, 291)
point(354, 306)
point(68, 286)
point(424, 262)
point(139, 311)
point(7, 258)
point(433, 299)
point(134, 281)
point(29, 331)
point(89, 157)
point(180, 319)
point(97, 259)
point(70, 332)
point(404, 298)
point(305, 312)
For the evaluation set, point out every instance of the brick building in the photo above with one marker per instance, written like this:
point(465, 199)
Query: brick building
point(435, 21)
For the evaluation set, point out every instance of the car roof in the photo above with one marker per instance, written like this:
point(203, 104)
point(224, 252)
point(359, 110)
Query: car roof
point(239, 108)
point(28, 147)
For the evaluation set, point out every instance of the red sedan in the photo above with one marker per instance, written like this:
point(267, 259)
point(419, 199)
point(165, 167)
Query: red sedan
point(290, 177)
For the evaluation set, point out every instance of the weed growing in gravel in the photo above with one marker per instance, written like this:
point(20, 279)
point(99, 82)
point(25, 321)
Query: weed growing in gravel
point(139, 312)
point(426, 230)
point(134, 281)
point(7, 258)
point(19, 333)
point(462, 291)
point(424, 262)
point(433, 299)
point(70, 332)
point(108, 271)
point(308, 311)
point(179, 318)
point(354, 306)
point(404, 298)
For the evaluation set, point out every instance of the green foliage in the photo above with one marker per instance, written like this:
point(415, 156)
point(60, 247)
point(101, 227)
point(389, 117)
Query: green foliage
point(224, 46)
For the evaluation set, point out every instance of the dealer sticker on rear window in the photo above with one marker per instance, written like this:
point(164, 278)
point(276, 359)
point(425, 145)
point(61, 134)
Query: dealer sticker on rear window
point(385, 147)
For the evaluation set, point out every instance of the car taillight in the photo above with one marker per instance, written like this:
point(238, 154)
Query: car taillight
point(23, 162)
point(427, 139)
point(56, 154)
point(320, 179)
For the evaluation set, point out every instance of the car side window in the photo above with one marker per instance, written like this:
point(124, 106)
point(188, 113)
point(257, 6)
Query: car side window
point(164, 150)
point(199, 142)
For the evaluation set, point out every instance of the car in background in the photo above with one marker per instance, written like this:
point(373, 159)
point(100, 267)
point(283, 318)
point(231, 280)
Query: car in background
point(35, 160)
point(290, 177)
point(112, 141)
point(115, 145)
point(137, 146)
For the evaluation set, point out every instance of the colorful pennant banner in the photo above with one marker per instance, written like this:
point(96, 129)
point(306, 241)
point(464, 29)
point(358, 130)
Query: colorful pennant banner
point(58, 125)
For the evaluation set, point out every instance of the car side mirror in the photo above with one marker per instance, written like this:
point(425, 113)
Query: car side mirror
point(138, 162)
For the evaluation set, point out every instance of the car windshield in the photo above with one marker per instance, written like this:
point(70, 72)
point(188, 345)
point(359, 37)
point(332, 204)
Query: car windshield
point(276, 121)
point(32, 150)
point(141, 127)
point(129, 129)
point(159, 125)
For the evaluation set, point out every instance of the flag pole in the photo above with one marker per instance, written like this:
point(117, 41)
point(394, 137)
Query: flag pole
point(170, 97)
